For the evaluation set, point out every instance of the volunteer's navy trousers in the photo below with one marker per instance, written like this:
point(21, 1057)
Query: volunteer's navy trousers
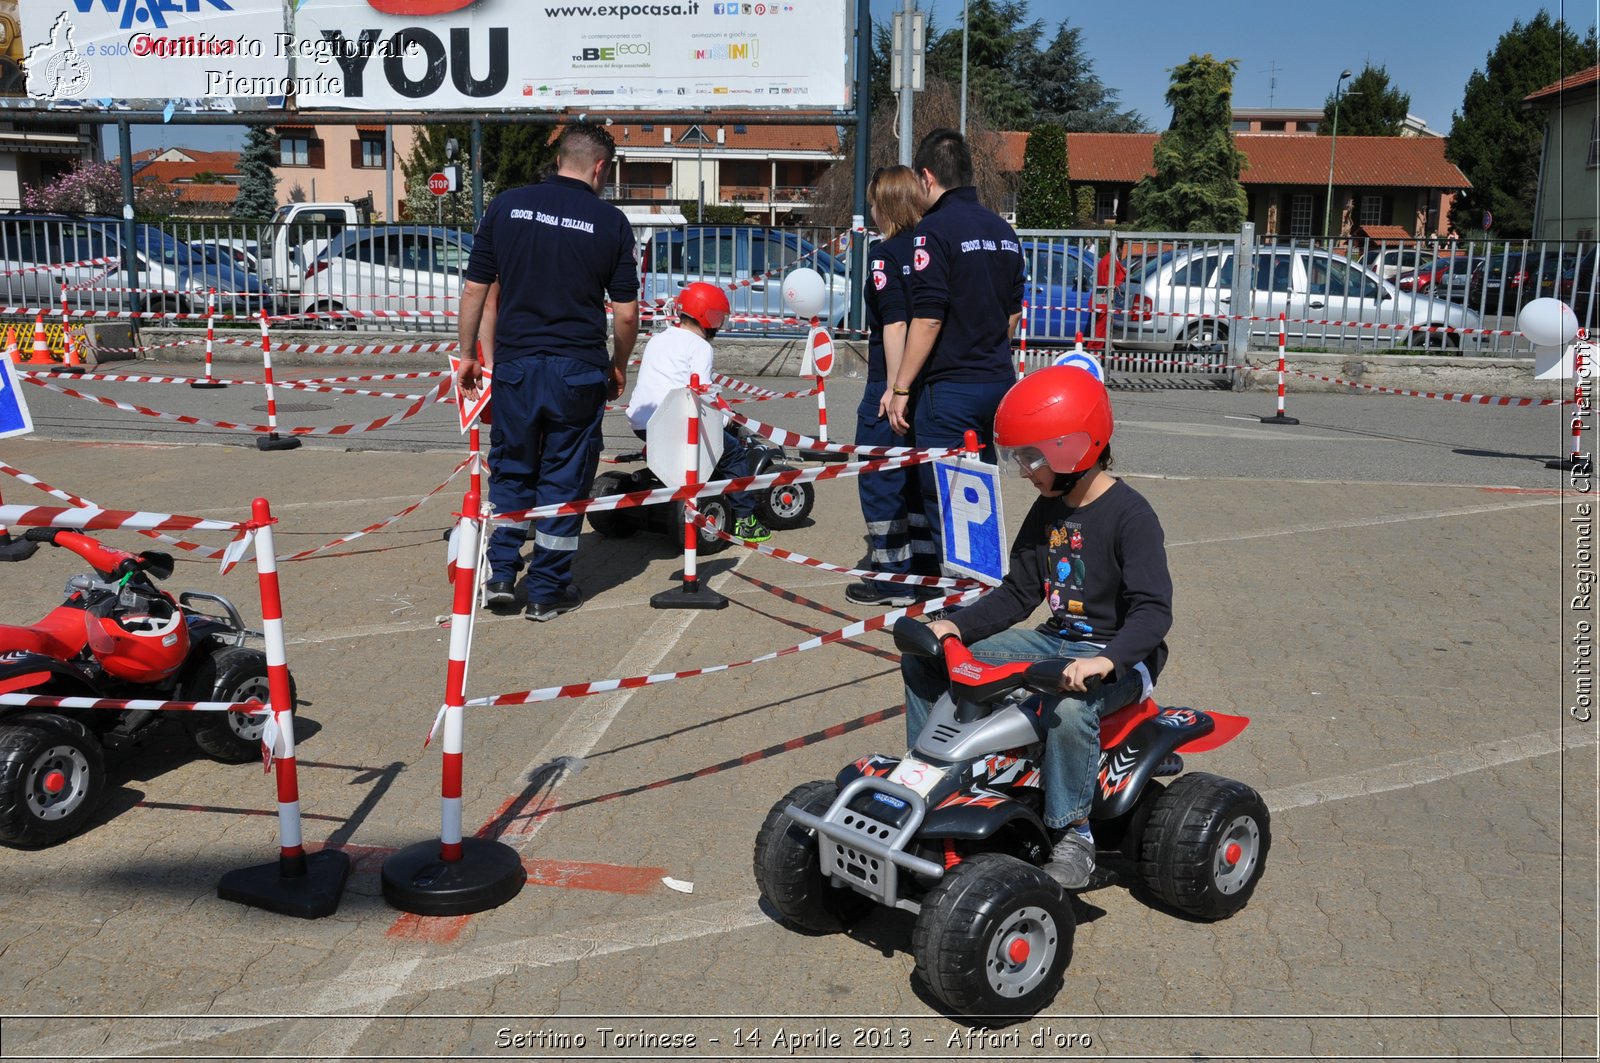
point(891, 501)
point(543, 448)
point(945, 412)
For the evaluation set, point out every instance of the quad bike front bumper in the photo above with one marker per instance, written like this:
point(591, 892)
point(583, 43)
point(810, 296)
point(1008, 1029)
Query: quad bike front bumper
point(866, 853)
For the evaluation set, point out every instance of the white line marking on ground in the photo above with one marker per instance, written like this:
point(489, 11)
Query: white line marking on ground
point(368, 988)
point(1367, 522)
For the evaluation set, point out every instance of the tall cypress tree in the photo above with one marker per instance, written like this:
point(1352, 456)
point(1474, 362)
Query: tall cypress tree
point(258, 181)
point(1196, 184)
point(1045, 199)
point(1370, 107)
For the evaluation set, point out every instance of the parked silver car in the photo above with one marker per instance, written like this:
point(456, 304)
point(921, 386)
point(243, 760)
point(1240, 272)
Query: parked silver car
point(1182, 298)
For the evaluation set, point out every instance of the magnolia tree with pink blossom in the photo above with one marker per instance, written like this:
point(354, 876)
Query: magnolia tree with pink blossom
point(96, 188)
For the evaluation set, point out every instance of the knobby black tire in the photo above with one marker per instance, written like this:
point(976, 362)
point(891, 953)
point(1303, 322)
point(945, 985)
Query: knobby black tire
point(1179, 852)
point(613, 523)
point(788, 867)
point(22, 744)
point(228, 673)
point(959, 918)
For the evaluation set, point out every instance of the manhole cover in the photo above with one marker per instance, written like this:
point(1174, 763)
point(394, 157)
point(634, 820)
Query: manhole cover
point(295, 407)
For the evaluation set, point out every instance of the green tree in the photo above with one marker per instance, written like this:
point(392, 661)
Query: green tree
point(1065, 91)
point(1196, 184)
point(258, 181)
point(1044, 197)
point(427, 156)
point(1000, 48)
point(1368, 106)
point(517, 154)
point(1494, 140)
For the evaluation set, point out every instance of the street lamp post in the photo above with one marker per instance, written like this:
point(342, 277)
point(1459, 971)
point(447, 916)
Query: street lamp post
point(1333, 146)
point(964, 32)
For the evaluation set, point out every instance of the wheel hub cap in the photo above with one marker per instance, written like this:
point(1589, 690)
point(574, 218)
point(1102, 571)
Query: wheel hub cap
point(1021, 952)
point(1017, 951)
point(54, 782)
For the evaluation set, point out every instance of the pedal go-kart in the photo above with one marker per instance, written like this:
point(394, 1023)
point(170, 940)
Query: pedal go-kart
point(952, 831)
point(116, 636)
point(780, 507)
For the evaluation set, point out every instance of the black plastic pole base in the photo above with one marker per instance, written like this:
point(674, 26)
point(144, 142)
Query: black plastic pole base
point(309, 895)
point(822, 455)
point(206, 385)
point(1279, 418)
point(70, 369)
point(16, 549)
point(488, 875)
point(273, 441)
point(688, 596)
point(1567, 463)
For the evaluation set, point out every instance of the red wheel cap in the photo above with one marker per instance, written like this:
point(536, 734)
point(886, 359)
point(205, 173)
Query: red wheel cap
point(1017, 951)
point(54, 782)
point(1231, 854)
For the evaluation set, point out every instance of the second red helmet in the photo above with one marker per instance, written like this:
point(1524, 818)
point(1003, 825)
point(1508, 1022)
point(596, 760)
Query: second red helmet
point(1060, 416)
point(705, 303)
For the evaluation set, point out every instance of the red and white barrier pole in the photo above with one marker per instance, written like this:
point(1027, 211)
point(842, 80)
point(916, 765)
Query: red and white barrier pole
point(272, 440)
point(211, 339)
point(689, 594)
point(1022, 348)
point(456, 875)
point(1575, 457)
point(70, 363)
point(1280, 417)
point(298, 884)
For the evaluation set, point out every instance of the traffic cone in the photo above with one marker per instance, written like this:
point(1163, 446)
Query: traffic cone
point(11, 345)
point(40, 358)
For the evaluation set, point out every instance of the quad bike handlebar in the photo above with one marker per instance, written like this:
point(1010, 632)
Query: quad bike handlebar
point(970, 678)
point(108, 561)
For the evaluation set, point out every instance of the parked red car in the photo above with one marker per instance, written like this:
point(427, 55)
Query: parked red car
point(1445, 278)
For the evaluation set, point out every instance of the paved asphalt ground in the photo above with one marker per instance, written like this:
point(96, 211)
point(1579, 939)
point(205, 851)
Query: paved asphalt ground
point(1384, 589)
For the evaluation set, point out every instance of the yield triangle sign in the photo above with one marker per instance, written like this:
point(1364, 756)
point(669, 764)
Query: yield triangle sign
point(821, 348)
point(469, 409)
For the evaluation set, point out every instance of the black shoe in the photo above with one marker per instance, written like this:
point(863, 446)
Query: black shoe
point(571, 598)
point(499, 594)
point(871, 592)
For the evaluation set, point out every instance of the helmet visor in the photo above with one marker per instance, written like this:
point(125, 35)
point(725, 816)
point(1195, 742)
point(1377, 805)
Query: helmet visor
point(1062, 455)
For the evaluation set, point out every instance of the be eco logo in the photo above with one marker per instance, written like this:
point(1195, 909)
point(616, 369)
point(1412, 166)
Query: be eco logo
point(612, 52)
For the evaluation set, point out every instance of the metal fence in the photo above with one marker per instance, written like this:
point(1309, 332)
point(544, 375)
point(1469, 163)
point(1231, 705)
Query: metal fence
point(1181, 302)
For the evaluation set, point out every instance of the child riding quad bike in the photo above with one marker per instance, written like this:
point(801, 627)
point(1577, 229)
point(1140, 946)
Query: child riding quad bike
point(116, 636)
point(780, 507)
point(952, 831)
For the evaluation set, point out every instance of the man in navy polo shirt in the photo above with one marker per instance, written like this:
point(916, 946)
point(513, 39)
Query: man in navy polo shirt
point(967, 277)
point(556, 250)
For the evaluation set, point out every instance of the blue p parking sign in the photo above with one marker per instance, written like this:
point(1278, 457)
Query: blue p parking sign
point(971, 517)
point(15, 420)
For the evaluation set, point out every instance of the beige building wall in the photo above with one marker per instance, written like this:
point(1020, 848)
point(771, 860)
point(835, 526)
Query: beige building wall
point(331, 170)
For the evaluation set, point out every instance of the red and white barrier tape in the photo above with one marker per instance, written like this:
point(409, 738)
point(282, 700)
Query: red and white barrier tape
point(787, 438)
point(141, 348)
point(96, 519)
point(1445, 396)
point(302, 555)
point(41, 701)
point(794, 558)
point(57, 265)
point(293, 385)
point(211, 552)
point(580, 690)
point(717, 487)
point(1146, 315)
point(442, 347)
point(438, 395)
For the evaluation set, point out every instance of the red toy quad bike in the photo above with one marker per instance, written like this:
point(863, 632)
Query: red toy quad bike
point(116, 636)
point(953, 832)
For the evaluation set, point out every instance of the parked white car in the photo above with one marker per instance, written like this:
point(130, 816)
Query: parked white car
point(1183, 299)
point(386, 267)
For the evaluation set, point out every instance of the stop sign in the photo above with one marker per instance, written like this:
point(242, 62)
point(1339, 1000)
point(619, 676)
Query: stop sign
point(438, 184)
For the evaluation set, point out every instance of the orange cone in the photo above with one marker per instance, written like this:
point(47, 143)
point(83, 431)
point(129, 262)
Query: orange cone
point(73, 362)
point(41, 346)
point(11, 345)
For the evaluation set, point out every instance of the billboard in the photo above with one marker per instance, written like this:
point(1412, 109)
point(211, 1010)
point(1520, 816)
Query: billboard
point(154, 49)
point(414, 55)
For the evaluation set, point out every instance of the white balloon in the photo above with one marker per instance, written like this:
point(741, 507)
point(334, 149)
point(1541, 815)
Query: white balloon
point(805, 292)
point(1548, 323)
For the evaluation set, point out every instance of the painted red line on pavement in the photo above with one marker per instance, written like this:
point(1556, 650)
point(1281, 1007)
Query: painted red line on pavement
point(1547, 491)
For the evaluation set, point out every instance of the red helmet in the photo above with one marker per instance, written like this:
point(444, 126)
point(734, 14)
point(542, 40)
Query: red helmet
point(705, 303)
point(1060, 416)
point(142, 640)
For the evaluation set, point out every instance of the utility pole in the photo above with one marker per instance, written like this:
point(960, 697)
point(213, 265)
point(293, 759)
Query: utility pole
point(907, 72)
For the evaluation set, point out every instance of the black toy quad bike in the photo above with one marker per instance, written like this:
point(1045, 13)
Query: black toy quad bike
point(116, 636)
point(952, 831)
point(780, 507)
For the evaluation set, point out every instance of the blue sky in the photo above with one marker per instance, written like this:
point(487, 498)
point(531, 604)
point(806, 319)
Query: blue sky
point(1290, 53)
